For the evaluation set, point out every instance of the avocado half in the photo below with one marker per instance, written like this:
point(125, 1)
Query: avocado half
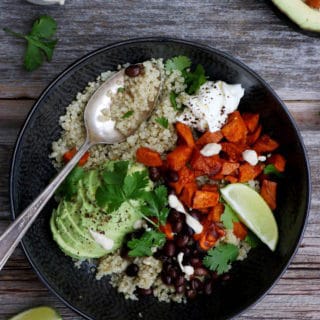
point(305, 17)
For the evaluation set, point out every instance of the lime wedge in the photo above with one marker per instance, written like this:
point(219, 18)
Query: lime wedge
point(40, 313)
point(253, 211)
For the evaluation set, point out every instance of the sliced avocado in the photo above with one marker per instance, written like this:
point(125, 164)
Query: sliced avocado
point(74, 219)
point(299, 12)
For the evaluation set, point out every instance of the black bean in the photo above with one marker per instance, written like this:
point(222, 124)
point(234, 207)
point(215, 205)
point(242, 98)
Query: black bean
point(208, 287)
point(144, 292)
point(154, 173)
point(214, 275)
point(167, 266)
point(177, 226)
point(132, 270)
point(173, 273)
point(179, 281)
point(201, 271)
point(172, 176)
point(169, 249)
point(191, 294)
point(182, 240)
point(124, 252)
point(186, 251)
point(195, 262)
point(166, 279)
point(196, 284)
point(134, 70)
point(225, 277)
point(175, 216)
point(196, 214)
point(180, 289)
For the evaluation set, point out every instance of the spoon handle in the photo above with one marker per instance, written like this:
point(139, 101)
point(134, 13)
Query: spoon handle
point(12, 236)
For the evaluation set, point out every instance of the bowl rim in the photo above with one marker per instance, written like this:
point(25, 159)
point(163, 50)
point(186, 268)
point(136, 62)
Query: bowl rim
point(197, 45)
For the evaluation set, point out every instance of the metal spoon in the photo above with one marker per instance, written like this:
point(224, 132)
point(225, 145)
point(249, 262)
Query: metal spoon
point(98, 132)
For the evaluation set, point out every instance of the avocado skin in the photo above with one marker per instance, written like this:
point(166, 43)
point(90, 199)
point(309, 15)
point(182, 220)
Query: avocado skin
point(71, 221)
point(305, 17)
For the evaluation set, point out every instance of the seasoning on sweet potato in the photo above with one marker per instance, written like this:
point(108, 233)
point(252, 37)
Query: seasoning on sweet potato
point(229, 167)
point(235, 130)
point(205, 199)
point(269, 193)
point(240, 230)
point(265, 144)
point(178, 158)
point(216, 212)
point(313, 3)
point(253, 137)
point(209, 137)
point(206, 165)
point(278, 161)
point(251, 120)
point(233, 150)
point(185, 134)
point(248, 172)
point(148, 157)
point(210, 187)
point(167, 230)
point(186, 175)
point(231, 179)
point(188, 191)
point(70, 154)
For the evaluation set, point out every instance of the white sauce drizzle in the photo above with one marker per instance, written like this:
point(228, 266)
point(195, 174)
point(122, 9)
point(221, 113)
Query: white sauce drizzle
point(105, 242)
point(187, 270)
point(193, 223)
point(250, 156)
point(211, 149)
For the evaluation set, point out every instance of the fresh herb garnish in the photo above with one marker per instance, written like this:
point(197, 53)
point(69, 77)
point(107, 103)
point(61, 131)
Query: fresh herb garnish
point(118, 186)
point(69, 187)
point(120, 90)
point(219, 258)
point(177, 63)
point(228, 217)
point(156, 204)
point(40, 43)
point(163, 122)
point(173, 101)
point(195, 79)
point(143, 246)
point(128, 114)
point(252, 239)
point(271, 169)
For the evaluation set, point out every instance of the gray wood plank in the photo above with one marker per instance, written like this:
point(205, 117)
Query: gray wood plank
point(247, 29)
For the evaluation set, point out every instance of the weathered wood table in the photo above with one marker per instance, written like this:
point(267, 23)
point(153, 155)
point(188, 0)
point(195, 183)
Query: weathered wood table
point(247, 29)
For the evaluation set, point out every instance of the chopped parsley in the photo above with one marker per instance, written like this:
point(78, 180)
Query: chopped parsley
point(219, 258)
point(228, 217)
point(271, 169)
point(156, 203)
point(163, 122)
point(69, 187)
point(177, 63)
point(120, 90)
point(128, 114)
point(118, 186)
point(195, 79)
point(40, 42)
point(143, 246)
point(173, 101)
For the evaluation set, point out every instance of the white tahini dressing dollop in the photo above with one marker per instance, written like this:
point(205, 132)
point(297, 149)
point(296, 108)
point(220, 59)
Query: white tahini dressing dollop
point(105, 242)
point(211, 149)
point(250, 156)
point(193, 223)
point(187, 270)
point(209, 108)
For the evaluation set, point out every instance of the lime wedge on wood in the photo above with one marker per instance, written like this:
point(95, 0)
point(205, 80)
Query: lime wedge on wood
point(39, 313)
point(253, 211)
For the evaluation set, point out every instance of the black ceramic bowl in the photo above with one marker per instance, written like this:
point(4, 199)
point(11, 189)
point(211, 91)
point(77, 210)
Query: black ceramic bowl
point(32, 171)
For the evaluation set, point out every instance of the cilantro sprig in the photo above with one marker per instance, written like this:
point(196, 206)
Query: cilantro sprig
point(177, 63)
point(272, 170)
point(219, 258)
point(118, 186)
point(128, 114)
point(40, 42)
point(163, 122)
point(143, 246)
point(228, 217)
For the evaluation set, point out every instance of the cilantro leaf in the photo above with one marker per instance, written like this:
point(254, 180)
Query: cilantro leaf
point(173, 101)
point(252, 240)
point(40, 44)
point(195, 79)
point(119, 186)
point(177, 63)
point(228, 217)
point(128, 114)
point(163, 122)
point(156, 204)
point(69, 187)
point(271, 169)
point(120, 90)
point(143, 246)
point(219, 258)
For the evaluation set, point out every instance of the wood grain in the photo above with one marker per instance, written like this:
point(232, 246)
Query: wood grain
point(247, 29)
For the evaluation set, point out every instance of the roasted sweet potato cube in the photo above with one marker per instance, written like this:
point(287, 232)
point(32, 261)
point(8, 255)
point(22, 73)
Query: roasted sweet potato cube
point(235, 130)
point(248, 172)
point(265, 144)
point(186, 176)
point(179, 157)
point(205, 199)
point(269, 193)
point(253, 137)
point(229, 167)
point(185, 134)
point(278, 161)
point(209, 137)
point(148, 157)
point(187, 193)
point(251, 120)
point(240, 230)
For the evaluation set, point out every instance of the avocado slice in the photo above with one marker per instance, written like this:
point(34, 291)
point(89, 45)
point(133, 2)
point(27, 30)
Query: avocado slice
point(305, 17)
